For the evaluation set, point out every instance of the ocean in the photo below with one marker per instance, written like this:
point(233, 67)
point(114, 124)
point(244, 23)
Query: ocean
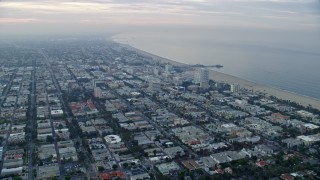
point(289, 63)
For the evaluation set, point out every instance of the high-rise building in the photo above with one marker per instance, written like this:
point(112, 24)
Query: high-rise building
point(234, 88)
point(202, 76)
point(168, 68)
point(156, 71)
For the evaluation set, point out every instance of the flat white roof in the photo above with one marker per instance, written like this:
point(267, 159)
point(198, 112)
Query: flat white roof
point(306, 138)
point(311, 126)
point(228, 125)
point(112, 139)
point(57, 112)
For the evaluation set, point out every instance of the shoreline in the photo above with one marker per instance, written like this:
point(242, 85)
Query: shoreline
point(230, 79)
point(268, 90)
point(155, 57)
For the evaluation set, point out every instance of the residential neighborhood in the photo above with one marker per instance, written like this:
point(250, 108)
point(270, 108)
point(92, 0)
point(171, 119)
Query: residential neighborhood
point(101, 110)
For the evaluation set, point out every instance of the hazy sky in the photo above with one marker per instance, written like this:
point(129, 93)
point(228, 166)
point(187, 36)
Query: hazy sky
point(275, 42)
point(26, 17)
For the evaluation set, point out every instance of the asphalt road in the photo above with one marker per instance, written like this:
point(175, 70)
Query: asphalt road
point(90, 170)
point(5, 94)
point(31, 145)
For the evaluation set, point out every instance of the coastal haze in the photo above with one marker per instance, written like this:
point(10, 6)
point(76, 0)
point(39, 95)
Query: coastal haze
point(275, 42)
point(159, 90)
point(280, 48)
point(282, 66)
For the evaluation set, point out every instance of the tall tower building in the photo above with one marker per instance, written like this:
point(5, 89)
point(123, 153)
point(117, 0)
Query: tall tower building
point(202, 77)
point(234, 88)
point(156, 71)
point(168, 68)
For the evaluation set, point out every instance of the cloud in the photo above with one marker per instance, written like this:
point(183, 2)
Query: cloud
point(242, 13)
point(18, 20)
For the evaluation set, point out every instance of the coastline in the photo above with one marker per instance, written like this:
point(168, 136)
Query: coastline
point(156, 57)
point(230, 79)
point(269, 91)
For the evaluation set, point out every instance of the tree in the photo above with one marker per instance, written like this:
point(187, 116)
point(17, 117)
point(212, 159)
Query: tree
point(77, 143)
point(60, 126)
point(35, 173)
point(125, 165)
point(101, 168)
point(17, 178)
point(40, 162)
point(114, 167)
point(81, 155)
point(49, 139)
point(50, 158)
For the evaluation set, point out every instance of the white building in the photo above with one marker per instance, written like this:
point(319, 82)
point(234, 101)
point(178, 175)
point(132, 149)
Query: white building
point(168, 68)
point(112, 139)
point(154, 86)
point(97, 92)
point(57, 113)
point(11, 171)
point(156, 71)
point(308, 140)
point(202, 77)
point(234, 88)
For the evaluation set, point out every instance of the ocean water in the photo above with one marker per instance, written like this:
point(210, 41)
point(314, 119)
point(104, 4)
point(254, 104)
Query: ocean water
point(286, 61)
point(276, 43)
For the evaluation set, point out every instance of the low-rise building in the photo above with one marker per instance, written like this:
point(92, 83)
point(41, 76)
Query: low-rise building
point(48, 171)
point(174, 151)
point(167, 168)
point(308, 140)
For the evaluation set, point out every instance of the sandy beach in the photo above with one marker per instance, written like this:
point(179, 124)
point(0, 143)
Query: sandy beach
point(271, 91)
point(153, 56)
point(255, 87)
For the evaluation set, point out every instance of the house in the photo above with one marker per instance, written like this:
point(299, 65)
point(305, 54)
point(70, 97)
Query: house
point(167, 168)
point(261, 163)
point(140, 176)
point(11, 171)
point(227, 156)
point(190, 164)
point(286, 177)
point(57, 113)
point(112, 175)
point(48, 171)
point(292, 142)
point(174, 151)
point(264, 149)
point(308, 140)
point(47, 151)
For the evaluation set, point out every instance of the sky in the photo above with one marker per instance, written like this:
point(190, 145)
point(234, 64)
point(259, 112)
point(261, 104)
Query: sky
point(275, 42)
point(47, 17)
